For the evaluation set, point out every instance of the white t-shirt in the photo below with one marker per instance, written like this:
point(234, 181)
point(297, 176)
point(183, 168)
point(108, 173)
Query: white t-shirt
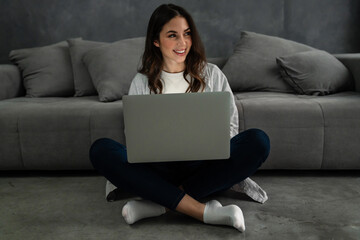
point(174, 82)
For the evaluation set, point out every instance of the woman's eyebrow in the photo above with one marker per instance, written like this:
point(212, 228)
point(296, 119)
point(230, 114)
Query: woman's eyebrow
point(172, 31)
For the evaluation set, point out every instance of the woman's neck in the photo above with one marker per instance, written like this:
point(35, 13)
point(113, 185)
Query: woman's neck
point(173, 68)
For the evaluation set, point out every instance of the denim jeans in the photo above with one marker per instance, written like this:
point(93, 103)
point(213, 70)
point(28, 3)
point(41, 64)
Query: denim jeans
point(159, 182)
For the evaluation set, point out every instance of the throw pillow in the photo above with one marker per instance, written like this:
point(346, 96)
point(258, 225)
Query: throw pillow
point(46, 71)
point(113, 66)
point(11, 84)
point(252, 66)
point(82, 80)
point(314, 73)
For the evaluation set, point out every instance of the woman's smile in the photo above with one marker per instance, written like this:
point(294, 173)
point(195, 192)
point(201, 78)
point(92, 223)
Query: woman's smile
point(180, 52)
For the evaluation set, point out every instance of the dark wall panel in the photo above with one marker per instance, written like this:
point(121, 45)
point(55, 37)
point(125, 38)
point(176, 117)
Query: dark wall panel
point(331, 25)
point(220, 22)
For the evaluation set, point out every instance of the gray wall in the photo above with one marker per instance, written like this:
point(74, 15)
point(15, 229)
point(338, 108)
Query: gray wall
point(331, 25)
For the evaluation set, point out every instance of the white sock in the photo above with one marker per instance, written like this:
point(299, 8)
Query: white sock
point(252, 189)
point(230, 215)
point(138, 209)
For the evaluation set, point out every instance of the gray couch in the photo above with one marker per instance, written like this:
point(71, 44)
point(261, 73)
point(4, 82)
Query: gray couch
point(55, 133)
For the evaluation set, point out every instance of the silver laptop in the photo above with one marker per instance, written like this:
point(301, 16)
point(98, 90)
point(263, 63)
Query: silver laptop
point(177, 127)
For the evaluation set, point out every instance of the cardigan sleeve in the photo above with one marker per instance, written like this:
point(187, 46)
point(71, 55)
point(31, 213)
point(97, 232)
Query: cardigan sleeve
point(221, 83)
point(138, 85)
point(234, 122)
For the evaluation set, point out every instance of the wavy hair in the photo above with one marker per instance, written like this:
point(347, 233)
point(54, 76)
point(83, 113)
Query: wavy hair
point(152, 59)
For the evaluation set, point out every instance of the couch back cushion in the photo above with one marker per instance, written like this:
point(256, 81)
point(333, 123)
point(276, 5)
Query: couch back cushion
point(218, 61)
point(252, 66)
point(113, 66)
point(82, 80)
point(315, 73)
point(46, 71)
point(10, 82)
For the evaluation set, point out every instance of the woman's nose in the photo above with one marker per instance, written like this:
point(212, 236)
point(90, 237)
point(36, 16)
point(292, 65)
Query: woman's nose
point(181, 41)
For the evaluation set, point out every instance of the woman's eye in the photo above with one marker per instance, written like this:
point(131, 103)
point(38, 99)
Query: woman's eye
point(172, 35)
point(188, 33)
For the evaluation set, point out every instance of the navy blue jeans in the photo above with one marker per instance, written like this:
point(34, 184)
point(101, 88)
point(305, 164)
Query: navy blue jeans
point(159, 182)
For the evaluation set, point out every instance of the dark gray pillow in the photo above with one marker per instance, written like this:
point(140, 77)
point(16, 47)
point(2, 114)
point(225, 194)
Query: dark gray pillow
point(10, 82)
point(113, 66)
point(218, 61)
point(252, 66)
point(314, 73)
point(82, 80)
point(46, 71)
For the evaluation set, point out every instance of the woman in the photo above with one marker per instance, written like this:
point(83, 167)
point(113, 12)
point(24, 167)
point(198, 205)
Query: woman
point(174, 62)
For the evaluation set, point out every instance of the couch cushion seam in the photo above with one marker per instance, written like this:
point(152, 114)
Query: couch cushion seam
point(90, 120)
point(322, 112)
point(19, 139)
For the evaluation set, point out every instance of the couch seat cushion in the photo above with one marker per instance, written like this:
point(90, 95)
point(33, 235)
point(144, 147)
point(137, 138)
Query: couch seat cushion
point(56, 133)
point(306, 132)
point(341, 129)
point(293, 123)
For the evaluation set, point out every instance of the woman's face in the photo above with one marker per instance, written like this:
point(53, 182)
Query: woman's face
point(174, 43)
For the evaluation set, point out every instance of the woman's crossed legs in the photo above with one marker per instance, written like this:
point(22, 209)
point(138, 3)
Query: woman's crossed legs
point(159, 183)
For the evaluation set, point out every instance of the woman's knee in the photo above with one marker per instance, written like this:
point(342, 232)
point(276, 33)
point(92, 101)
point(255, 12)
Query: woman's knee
point(256, 142)
point(96, 149)
point(99, 149)
point(97, 146)
point(260, 141)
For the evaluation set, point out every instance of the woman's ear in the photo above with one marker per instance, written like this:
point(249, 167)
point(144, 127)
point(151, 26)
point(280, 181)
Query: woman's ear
point(156, 43)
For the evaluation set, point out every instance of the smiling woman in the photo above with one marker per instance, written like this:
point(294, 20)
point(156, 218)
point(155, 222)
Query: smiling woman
point(174, 62)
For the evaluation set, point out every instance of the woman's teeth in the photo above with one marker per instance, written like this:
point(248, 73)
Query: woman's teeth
point(180, 51)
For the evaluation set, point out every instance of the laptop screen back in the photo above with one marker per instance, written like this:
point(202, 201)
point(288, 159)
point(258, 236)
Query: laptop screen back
point(177, 127)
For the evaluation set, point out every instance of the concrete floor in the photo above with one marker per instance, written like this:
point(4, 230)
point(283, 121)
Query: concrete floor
point(72, 205)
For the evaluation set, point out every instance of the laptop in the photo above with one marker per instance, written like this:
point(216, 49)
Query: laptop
point(177, 126)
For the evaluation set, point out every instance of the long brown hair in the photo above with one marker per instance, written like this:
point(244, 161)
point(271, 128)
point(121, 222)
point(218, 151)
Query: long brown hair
point(152, 59)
